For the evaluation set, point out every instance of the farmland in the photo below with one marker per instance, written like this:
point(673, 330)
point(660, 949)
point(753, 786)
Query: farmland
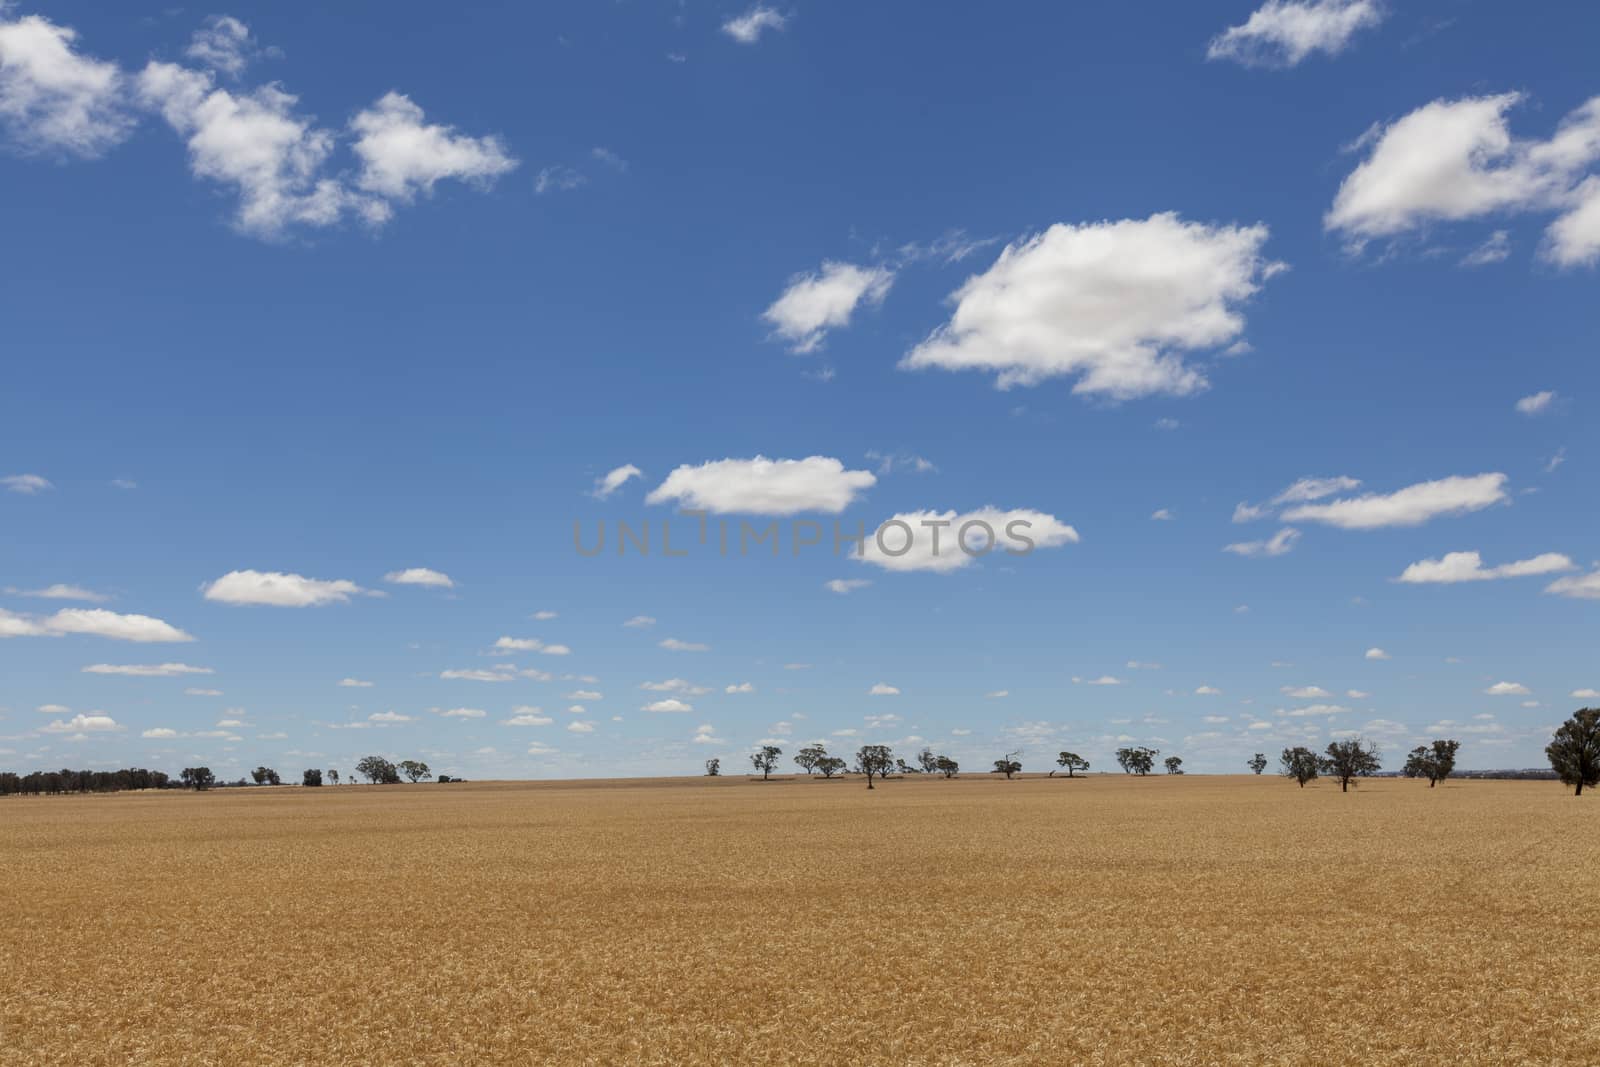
point(1104, 920)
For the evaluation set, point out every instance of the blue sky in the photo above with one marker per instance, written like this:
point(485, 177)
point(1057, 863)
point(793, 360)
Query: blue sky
point(1249, 311)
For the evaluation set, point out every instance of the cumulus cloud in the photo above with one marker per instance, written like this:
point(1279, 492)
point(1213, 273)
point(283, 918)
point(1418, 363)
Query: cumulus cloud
point(762, 486)
point(94, 622)
point(815, 303)
point(1119, 305)
point(276, 589)
point(742, 687)
point(1578, 586)
point(26, 484)
point(748, 27)
point(1281, 33)
point(354, 683)
point(526, 716)
point(1104, 679)
point(401, 155)
point(1277, 545)
point(1207, 691)
point(60, 591)
point(670, 704)
point(223, 44)
point(614, 479)
point(933, 540)
point(53, 98)
point(672, 644)
point(1411, 506)
point(1376, 653)
point(159, 733)
point(640, 622)
point(1585, 694)
point(502, 673)
point(675, 685)
point(1536, 403)
point(580, 727)
point(505, 645)
point(843, 586)
point(1468, 567)
point(706, 734)
point(464, 713)
point(1306, 692)
point(93, 722)
point(1504, 689)
point(420, 576)
point(1454, 160)
point(882, 689)
point(146, 670)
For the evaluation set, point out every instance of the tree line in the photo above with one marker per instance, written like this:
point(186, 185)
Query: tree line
point(375, 769)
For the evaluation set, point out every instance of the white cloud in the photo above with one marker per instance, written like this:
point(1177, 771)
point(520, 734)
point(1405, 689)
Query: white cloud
point(52, 97)
point(762, 486)
point(579, 727)
point(672, 644)
point(402, 156)
point(1143, 665)
point(675, 685)
point(62, 592)
point(388, 716)
point(420, 576)
point(1313, 711)
point(53, 709)
point(94, 622)
point(742, 687)
point(1585, 694)
point(843, 586)
point(1306, 692)
point(748, 27)
point(1117, 304)
point(1453, 160)
point(928, 540)
point(640, 622)
point(1468, 567)
point(1207, 691)
point(614, 479)
point(671, 704)
point(998, 694)
point(1502, 689)
point(530, 644)
point(27, 484)
point(585, 694)
point(1536, 403)
point(499, 674)
point(1411, 506)
point(545, 616)
point(1279, 544)
point(1376, 653)
point(1302, 491)
point(706, 734)
point(1493, 250)
point(1281, 33)
point(882, 689)
point(276, 589)
point(558, 179)
point(159, 733)
point(354, 683)
point(1104, 679)
point(540, 749)
point(223, 44)
point(1578, 586)
point(815, 303)
point(93, 722)
point(1162, 515)
point(195, 692)
point(464, 713)
point(526, 716)
point(1356, 694)
point(152, 670)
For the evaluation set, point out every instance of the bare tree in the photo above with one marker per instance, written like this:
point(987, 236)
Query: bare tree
point(1574, 751)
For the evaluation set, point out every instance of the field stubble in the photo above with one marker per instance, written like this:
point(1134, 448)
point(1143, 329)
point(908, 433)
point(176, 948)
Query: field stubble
point(1108, 920)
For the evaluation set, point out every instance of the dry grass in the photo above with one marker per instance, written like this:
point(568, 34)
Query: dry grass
point(1191, 920)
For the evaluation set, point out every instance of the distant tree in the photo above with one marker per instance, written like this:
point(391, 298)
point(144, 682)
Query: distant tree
point(197, 778)
point(265, 776)
point(1349, 760)
point(333, 776)
point(378, 770)
point(1299, 763)
point(713, 768)
point(905, 768)
point(1140, 761)
point(1007, 765)
point(312, 777)
point(947, 766)
point(766, 760)
point(928, 761)
point(1072, 762)
point(415, 770)
point(831, 765)
point(1258, 762)
point(1574, 751)
point(811, 757)
point(1174, 765)
point(874, 760)
point(1433, 762)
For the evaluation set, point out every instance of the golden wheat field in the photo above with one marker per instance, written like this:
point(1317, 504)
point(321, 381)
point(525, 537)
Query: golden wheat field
point(1107, 920)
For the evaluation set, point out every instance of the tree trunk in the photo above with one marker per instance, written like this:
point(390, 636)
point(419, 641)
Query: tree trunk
point(1344, 785)
point(1579, 792)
